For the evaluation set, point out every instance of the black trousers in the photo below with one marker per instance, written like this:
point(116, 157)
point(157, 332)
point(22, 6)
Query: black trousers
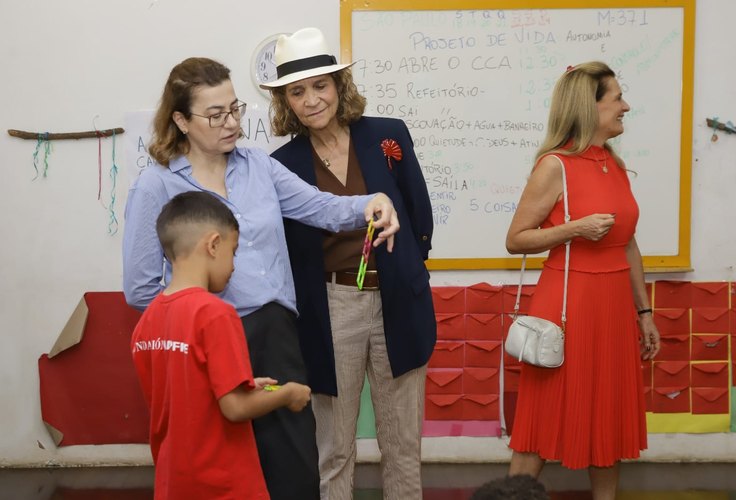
point(286, 441)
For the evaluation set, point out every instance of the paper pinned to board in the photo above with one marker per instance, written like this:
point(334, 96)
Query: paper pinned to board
point(73, 331)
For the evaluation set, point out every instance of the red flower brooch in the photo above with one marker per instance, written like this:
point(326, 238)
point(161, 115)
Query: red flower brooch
point(391, 150)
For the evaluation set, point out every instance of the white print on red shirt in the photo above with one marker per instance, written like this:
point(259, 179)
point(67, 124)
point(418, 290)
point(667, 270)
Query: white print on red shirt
point(161, 345)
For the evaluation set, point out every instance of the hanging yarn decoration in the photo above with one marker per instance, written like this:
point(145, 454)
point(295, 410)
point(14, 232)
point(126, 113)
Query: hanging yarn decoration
point(112, 226)
point(35, 155)
point(42, 141)
point(99, 164)
point(714, 137)
point(727, 127)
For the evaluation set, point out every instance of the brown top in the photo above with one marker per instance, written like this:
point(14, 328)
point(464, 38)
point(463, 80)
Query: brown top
point(342, 250)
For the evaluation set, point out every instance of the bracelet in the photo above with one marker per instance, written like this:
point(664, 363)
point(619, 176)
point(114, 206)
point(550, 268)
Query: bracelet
point(644, 311)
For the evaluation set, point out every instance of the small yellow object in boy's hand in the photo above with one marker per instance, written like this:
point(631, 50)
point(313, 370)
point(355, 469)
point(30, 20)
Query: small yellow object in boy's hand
point(271, 388)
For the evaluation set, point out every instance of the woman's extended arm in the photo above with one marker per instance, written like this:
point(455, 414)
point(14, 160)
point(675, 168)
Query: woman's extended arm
point(301, 201)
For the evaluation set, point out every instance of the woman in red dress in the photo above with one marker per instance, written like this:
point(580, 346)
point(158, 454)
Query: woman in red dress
point(590, 411)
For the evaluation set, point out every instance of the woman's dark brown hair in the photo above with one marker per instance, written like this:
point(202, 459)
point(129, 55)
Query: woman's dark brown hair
point(168, 141)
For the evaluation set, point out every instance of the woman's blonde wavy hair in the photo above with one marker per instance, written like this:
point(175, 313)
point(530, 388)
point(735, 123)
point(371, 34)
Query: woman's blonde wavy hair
point(350, 107)
point(168, 141)
point(573, 115)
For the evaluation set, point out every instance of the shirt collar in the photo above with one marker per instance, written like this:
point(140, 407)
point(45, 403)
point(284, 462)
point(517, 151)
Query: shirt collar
point(182, 162)
point(179, 163)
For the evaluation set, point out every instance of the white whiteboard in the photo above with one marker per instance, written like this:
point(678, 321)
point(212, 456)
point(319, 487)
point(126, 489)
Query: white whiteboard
point(474, 86)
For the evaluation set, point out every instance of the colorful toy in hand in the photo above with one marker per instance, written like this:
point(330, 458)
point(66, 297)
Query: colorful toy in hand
point(366, 253)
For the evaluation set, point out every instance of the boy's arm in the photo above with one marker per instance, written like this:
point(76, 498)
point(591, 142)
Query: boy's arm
point(242, 403)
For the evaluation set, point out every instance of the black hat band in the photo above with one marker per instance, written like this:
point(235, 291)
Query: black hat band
point(290, 67)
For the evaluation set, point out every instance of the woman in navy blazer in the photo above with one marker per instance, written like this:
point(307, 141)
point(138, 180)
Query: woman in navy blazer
point(388, 329)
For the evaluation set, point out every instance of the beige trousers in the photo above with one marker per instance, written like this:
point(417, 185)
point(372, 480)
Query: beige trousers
point(398, 403)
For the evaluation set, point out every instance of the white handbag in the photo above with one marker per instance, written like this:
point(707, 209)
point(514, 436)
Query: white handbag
point(538, 341)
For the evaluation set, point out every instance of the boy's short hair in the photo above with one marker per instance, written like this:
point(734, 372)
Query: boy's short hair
point(520, 487)
point(177, 223)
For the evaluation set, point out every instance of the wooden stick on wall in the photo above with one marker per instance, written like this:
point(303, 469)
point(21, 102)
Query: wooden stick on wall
point(715, 124)
point(90, 134)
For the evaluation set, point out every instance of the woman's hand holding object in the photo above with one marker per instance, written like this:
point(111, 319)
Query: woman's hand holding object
point(380, 206)
point(594, 227)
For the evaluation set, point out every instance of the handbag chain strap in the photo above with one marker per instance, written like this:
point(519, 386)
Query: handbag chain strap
point(567, 255)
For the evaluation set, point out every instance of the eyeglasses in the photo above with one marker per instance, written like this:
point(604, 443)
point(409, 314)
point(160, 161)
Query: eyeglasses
point(220, 119)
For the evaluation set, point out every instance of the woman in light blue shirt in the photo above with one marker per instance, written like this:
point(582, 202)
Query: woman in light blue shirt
point(194, 133)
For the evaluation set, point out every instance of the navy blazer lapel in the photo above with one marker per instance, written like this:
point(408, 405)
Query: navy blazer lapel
point(368, 151)
point(304, 166)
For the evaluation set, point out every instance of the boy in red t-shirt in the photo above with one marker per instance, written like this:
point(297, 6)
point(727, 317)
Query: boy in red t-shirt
point(190, 354)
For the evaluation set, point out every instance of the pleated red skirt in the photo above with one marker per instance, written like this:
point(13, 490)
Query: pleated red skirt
point(590, 411)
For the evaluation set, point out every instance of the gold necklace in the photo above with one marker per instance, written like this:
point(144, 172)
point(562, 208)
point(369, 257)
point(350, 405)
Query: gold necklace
point(326, 161)
point(605, 165)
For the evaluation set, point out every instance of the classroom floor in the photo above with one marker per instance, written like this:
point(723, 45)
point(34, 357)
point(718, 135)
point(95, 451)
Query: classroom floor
point(639, 481)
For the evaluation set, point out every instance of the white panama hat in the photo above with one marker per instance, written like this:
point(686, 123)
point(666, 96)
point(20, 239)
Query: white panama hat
point(302, 55)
